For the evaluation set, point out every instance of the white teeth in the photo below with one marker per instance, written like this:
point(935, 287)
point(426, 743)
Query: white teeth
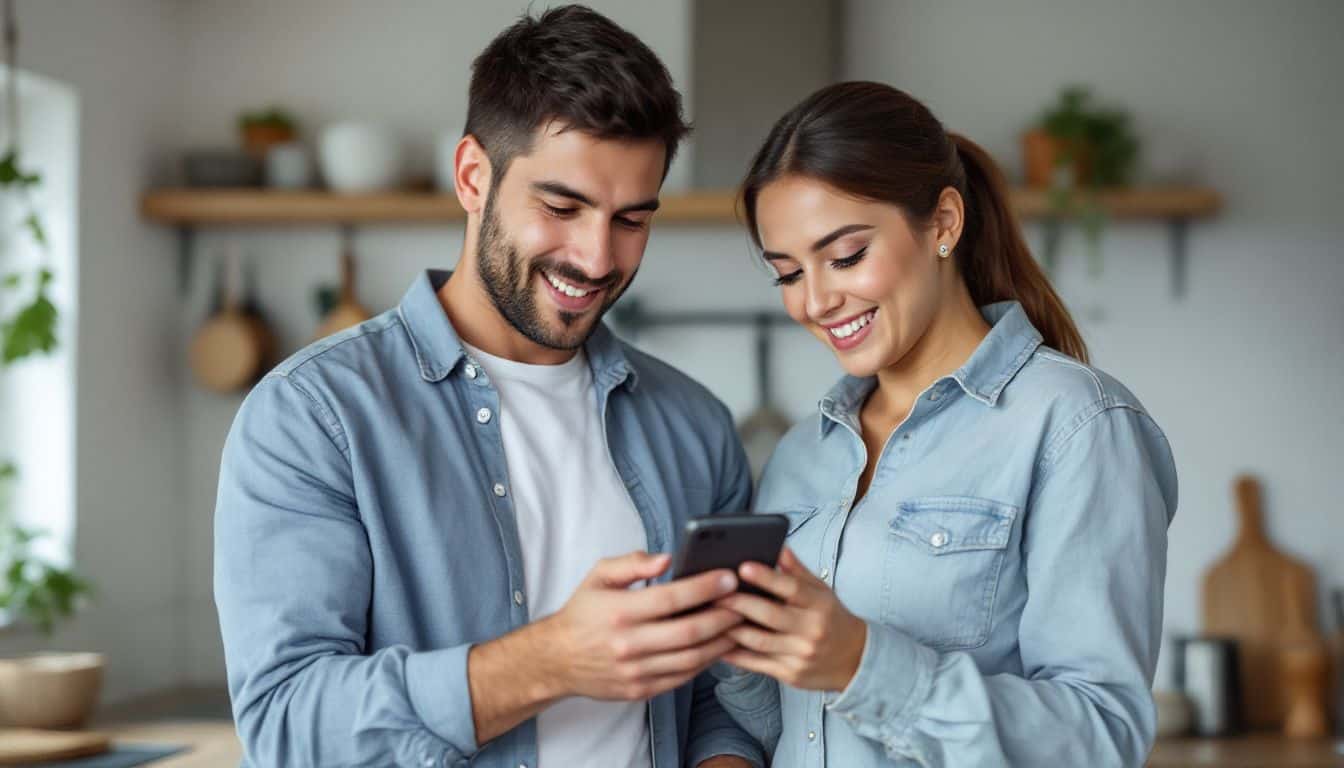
point(850, 328)
point(566, 288)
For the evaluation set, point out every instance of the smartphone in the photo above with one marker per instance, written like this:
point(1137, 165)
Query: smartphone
point(728, 541)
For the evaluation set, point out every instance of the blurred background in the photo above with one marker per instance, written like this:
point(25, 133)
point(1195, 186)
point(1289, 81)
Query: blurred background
point(1207, 275)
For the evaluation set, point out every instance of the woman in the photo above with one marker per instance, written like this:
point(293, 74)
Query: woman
point(977, 538)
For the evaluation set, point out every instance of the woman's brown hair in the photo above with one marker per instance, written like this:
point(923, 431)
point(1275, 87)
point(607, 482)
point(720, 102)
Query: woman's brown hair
point(878, 143)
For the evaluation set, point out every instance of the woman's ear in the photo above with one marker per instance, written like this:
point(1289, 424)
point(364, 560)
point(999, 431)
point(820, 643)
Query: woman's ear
point(949, 217)
point(471, 174)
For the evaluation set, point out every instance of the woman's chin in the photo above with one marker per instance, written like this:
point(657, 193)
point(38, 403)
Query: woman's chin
point(859, 364)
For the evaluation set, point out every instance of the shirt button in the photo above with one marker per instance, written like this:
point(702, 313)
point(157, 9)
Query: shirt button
point(483, 415)
point(471, 371)
point(934, 395)
point(811, 735)
point(938, 539)
point(824, 573)
point(518, 596)
point(500, 490)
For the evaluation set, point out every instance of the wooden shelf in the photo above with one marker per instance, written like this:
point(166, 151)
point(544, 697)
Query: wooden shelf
point(187, 209)
point(1129, 203)
point(238, 207)
point(218, 207)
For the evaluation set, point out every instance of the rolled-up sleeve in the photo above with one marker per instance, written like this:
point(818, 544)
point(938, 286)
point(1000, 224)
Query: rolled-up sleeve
point(293, 581)
point(1095, 545)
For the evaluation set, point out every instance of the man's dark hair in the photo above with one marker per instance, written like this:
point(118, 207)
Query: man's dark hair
point(578, 68)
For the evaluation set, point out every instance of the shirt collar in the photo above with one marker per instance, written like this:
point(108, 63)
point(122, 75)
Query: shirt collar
point(1000, 355)
point(439, 350)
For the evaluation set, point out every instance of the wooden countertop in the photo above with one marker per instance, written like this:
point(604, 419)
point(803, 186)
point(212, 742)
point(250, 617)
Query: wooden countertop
point(214, 743)
point(209, 743)
point(1253, 751)
point(199, 720)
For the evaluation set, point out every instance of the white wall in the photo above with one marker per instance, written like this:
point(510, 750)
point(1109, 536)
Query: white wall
point(122, 61)
point(1244, 373)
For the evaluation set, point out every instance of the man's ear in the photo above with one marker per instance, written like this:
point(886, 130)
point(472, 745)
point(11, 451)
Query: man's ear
point(471, 174)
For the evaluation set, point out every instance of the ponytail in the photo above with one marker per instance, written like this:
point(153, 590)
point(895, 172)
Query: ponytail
point(997, 265)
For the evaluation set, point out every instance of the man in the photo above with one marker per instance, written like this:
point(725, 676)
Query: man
point(428, 526)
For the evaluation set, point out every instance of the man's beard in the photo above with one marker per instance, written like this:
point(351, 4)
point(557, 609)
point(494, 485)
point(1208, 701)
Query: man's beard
point(509, 282)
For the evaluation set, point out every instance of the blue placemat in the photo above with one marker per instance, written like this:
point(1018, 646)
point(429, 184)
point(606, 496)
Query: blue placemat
point(119, 756)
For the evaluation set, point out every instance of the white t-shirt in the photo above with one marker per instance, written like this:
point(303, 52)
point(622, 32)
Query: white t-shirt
point(572, 510)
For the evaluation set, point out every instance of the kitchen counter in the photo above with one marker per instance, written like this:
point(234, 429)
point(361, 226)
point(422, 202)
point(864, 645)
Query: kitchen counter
point(209, 743)
point(199, 719)
point(1253, 751)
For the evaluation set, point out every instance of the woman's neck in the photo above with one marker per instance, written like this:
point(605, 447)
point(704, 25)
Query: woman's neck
point(952, 337)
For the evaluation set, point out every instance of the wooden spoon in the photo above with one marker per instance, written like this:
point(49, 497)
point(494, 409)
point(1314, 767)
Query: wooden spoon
point(348, 311)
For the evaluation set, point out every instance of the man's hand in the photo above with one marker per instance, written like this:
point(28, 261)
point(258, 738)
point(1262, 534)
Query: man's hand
point(607, 642)
point(623, 644)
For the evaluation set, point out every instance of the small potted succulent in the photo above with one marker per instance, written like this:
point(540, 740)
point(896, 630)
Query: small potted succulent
point(262, 129)
point(49, 689)
point(1073, 145)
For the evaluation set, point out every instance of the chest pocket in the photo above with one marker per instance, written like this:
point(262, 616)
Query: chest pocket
point(941, 570)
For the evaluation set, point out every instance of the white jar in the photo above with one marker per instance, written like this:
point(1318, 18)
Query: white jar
point(288, 167)
point(359, 157)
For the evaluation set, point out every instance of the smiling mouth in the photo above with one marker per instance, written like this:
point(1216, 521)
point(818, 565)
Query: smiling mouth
point(568, 296)
point(848, 329)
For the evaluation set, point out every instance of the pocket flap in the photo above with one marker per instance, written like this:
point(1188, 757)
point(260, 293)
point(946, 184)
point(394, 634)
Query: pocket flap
point(797, 515)
point(944, 524)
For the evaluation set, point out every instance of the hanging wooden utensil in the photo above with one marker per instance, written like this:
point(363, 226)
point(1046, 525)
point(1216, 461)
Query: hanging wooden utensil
point(229, 352)
point(763, 428)
point(348, 311)
point(1263, 599)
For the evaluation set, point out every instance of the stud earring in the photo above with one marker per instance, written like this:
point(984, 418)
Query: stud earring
point(942, 250)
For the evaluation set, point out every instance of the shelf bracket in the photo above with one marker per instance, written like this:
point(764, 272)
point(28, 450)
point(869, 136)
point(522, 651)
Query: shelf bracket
point(1180, 261)
point(186, 240)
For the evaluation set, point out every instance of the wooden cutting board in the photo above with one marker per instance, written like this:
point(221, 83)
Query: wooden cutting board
point(1263, 599)
point(20, 746)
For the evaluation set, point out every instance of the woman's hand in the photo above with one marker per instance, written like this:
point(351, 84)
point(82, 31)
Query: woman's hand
point(811, 641)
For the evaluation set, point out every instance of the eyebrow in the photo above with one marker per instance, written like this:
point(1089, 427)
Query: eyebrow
point(561, 190)
point(823, 242)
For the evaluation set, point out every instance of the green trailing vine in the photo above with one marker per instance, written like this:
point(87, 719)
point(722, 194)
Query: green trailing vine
point(32, 588)
point(1104, 140)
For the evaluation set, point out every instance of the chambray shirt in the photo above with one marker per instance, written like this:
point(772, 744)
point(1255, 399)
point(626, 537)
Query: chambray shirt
point(365, 538)
point(1008, 560)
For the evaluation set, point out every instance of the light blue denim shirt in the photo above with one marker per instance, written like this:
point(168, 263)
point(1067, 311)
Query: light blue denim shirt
point(365, 538)
point(1008, 560)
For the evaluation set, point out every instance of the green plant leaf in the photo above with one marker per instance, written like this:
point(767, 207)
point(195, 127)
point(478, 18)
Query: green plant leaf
point(11, 175)
point(32, 330)
point(34, 226)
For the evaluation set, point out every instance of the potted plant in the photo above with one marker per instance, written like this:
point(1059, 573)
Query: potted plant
point(262, 129)
point(1073, 145)
point(48, 689)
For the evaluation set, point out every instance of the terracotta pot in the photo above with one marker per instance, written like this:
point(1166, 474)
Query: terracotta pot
point(50, 690)
point(1040, 151)
point(258, 139)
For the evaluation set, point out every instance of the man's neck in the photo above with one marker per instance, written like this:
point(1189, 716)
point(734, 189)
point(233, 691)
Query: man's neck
point(478, 322)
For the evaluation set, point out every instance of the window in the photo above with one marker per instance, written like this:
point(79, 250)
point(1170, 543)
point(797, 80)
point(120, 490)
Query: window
point(37, 394)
